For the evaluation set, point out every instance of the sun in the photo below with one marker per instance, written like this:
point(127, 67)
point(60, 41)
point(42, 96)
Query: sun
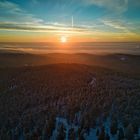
point(63, 39)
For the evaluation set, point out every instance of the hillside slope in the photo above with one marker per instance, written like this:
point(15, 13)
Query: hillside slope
point(68, 101)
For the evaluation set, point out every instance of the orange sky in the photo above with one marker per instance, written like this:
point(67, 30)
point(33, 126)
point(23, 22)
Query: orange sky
point(19, 36)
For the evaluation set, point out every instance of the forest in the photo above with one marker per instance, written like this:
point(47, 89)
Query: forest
point(68, 102)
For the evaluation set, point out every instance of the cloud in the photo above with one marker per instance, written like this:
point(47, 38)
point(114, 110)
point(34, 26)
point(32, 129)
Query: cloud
point(108, 25)
point(117, 6)
point(12, 12)
point(122, 27)
point(50, 27)
point(6, 5)
point(115, 24)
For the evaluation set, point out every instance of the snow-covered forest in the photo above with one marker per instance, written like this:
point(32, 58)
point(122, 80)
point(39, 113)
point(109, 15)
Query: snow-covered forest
point(68, 102)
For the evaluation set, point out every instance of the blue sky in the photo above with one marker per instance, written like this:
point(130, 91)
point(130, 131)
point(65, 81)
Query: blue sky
point(94, 19)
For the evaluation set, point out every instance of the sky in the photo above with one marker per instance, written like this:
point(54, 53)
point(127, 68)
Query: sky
point(50, 20)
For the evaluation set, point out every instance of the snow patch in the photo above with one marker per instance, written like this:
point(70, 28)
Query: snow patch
point(122, 58)
point(59, 121)
point(93, 82)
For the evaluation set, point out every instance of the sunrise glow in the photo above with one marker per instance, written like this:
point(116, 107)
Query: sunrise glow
point(36, 21)
point(63, 39)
